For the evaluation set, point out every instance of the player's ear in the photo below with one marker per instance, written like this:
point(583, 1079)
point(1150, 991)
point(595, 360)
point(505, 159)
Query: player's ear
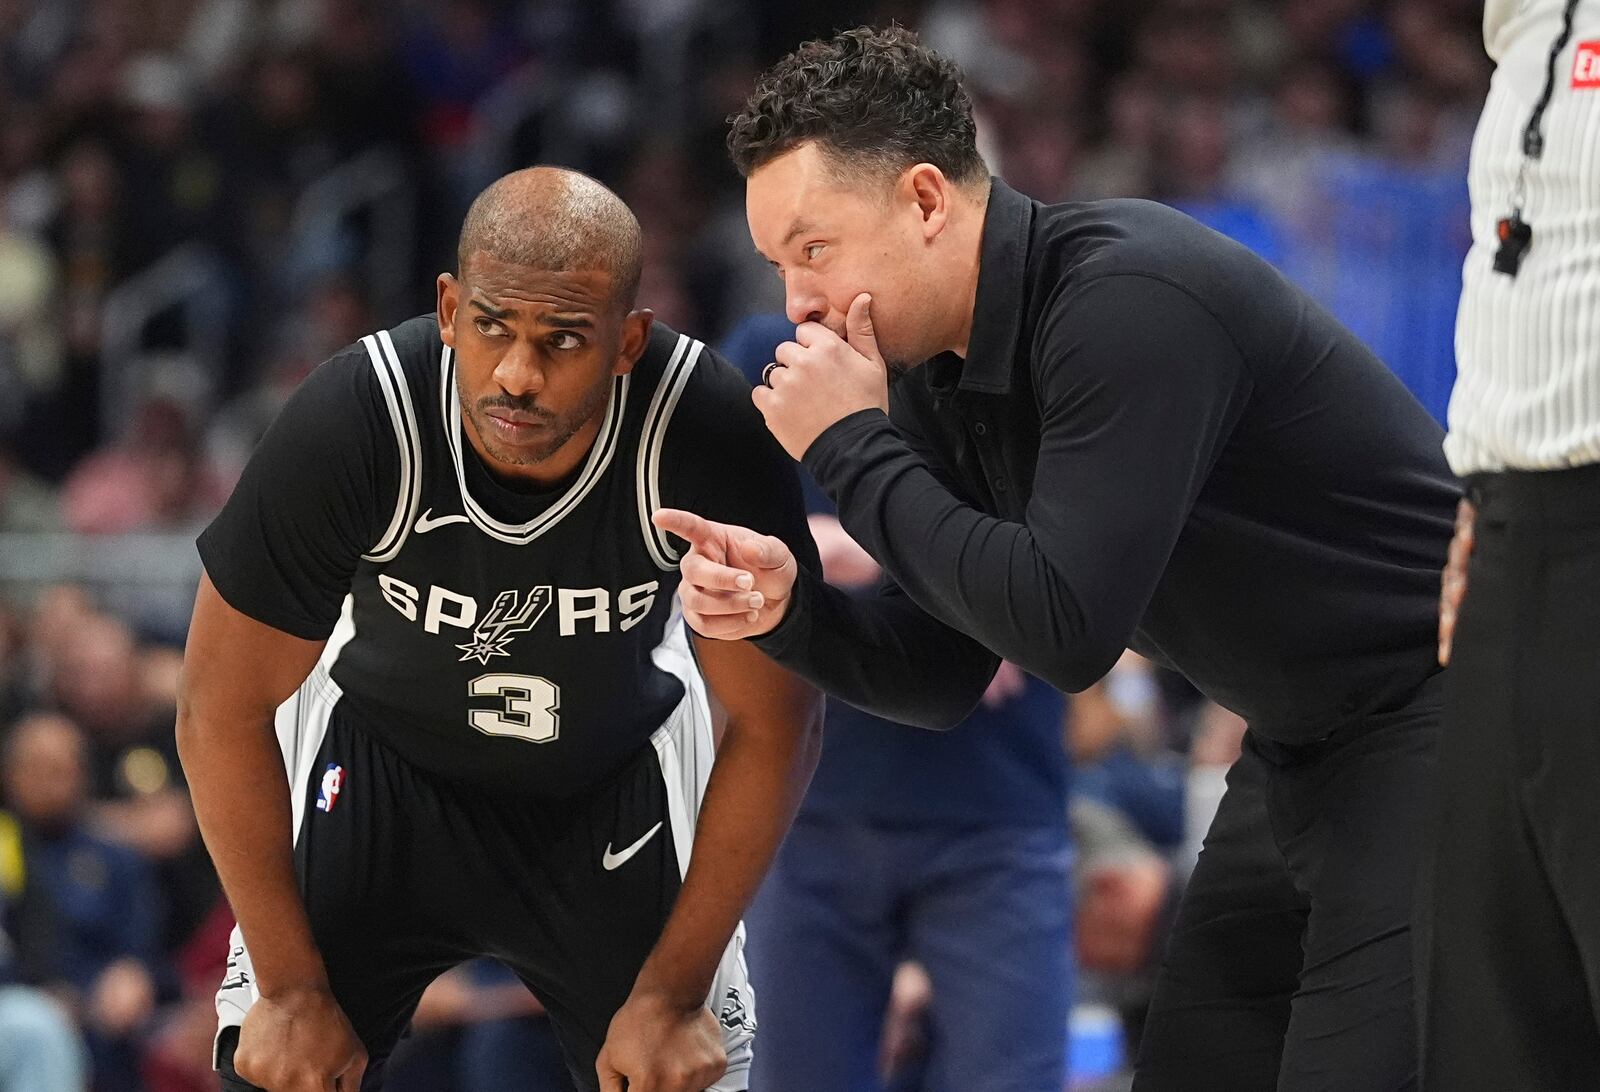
point(449, 299)
point(635, 336)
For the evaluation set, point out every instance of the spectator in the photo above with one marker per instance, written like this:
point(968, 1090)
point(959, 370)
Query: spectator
point(157, 478)
point(105, 894)
point(39, 1048)
point(26, 503)
point(478, 1029)
point(97, 678)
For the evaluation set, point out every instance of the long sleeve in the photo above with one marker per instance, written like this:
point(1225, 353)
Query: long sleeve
point(1138, 388)
point(882, 653)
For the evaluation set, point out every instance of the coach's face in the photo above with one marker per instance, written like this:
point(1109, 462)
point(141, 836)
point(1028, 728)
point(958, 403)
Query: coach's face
point(536, 351)
point(832, 235)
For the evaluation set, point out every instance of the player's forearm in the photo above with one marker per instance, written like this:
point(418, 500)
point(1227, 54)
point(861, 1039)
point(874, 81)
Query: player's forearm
point(755, 787)
point(241, 799)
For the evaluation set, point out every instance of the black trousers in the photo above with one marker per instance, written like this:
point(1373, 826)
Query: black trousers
point(1510, 934)
point(1290, 963)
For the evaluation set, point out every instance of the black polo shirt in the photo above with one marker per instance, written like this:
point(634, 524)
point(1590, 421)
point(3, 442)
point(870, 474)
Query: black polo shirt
point(1156, 442)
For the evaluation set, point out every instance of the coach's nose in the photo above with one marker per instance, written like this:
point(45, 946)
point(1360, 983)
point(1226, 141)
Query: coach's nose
point(802, 302)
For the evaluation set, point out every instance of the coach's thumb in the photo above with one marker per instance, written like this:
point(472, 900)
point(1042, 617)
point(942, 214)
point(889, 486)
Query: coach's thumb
point(761, 551)
point(858, 328)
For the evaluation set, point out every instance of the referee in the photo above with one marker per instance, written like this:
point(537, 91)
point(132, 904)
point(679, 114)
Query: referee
point(1110, 427)
point(1512, 928)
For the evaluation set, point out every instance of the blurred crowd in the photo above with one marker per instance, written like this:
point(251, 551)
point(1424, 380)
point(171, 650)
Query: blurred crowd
point(202, 199)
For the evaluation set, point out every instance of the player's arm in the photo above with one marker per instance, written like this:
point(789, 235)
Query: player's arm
point(236, 672)
point(278, 563)
point(769, 750)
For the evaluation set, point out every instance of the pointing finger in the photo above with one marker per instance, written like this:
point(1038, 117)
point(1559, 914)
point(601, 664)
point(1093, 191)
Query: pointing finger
point(686, 525)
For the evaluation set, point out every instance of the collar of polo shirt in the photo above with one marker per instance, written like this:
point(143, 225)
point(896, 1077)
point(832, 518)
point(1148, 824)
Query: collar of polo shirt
point(997, 311)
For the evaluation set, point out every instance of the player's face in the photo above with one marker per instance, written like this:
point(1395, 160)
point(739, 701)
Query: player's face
point(831, 239)
point(536, 351)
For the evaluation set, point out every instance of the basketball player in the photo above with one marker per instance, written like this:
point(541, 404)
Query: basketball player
point(439, 581)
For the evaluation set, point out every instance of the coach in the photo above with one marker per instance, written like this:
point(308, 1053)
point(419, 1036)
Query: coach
point(1063, 430)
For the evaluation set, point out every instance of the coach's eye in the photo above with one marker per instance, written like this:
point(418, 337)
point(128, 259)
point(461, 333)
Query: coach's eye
point(565, 340)
point(812, 250)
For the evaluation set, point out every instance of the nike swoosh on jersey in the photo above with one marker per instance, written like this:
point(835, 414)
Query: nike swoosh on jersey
point(614, 860)
point(426, 522)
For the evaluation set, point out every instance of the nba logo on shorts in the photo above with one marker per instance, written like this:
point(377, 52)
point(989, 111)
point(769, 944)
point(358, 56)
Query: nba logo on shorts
point(332, 782)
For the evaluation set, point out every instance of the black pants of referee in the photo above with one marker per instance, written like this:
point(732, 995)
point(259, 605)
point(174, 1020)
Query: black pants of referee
point(1289, 968)
point(1510, 934)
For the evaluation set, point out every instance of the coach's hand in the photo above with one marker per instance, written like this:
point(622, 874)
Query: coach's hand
point(736, 583)
point(1453, 581)
point(822, 378)
point(299, 1041)
point(655, 1045)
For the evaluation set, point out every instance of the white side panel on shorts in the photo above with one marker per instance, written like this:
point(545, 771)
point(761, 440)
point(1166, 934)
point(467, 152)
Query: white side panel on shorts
point(685, 748)
point(301, 723)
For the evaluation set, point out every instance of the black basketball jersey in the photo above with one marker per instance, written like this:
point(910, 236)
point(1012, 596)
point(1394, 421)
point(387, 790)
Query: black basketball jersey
point(514, 641)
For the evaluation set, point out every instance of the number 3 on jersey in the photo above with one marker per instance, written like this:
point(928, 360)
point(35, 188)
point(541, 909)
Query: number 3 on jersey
point(527, 707)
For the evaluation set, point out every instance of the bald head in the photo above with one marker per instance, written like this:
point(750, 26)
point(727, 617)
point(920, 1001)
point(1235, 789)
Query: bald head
point(554, 219)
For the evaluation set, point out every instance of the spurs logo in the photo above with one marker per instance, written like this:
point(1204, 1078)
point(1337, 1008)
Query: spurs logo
point(734, 1015)
point(510, 615)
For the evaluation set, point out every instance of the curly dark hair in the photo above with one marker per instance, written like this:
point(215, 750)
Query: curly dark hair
point(874, 100)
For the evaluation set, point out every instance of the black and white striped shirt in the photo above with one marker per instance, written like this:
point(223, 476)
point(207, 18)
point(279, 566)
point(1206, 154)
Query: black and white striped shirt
point(1527, 395)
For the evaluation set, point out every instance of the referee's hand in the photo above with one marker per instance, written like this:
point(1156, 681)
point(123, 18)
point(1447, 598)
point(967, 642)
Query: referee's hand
point(736, 582)
point(299, 1041)
point(1453, 581)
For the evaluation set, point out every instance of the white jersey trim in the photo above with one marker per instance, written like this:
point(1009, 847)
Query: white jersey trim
point(402, 415)
point(686, 750)
point(652, 439)
point(520, 534)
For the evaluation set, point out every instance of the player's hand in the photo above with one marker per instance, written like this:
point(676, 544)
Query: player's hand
point(1453, 581)
point(823, 379)
point(736, 583)
point(655, 1045)
point(299, 1041)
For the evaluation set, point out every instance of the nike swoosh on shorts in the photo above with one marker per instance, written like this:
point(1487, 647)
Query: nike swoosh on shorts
point(614, 860)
